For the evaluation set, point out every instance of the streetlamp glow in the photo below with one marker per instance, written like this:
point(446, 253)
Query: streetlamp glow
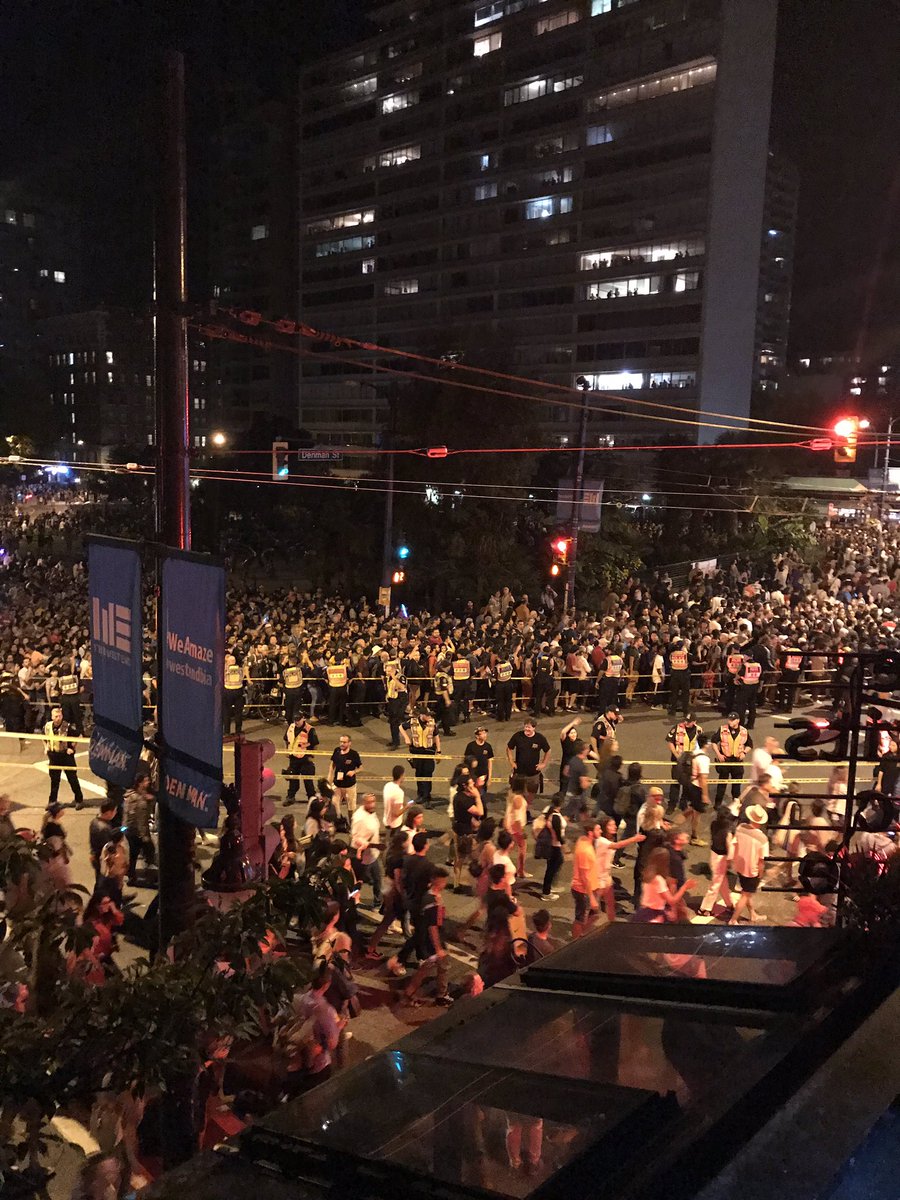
point(218, 438)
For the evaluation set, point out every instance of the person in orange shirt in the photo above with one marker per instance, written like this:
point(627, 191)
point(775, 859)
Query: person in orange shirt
point(585, 881)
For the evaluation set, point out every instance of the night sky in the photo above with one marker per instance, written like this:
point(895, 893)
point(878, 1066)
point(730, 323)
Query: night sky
point(75, 76)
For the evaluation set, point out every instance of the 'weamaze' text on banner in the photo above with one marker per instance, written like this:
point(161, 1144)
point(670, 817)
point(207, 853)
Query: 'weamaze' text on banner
point(114, 587)
point(192, 630)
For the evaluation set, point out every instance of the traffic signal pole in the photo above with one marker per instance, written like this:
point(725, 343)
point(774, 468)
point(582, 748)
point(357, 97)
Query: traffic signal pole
point(173, 515)
point(577, 499)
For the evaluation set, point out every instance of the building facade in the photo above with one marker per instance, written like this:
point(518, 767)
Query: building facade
point(99, 375)
point(584, 184)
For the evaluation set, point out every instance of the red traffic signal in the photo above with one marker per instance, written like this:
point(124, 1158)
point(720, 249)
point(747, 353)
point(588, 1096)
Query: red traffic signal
point(846, 432)
point(254, 780)
point(398, 577)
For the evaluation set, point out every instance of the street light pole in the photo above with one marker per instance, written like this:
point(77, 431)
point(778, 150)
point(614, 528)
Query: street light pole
point(173, 513)
point(577, 495)
point(886, 469)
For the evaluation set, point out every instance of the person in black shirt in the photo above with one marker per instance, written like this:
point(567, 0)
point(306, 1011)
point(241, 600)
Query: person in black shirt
point(342, 769)
point(416, 876)
point(482, 752)
point(528, 753)
point(101, 831)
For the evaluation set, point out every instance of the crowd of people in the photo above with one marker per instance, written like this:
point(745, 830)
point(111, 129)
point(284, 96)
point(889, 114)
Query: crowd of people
point(759, 635)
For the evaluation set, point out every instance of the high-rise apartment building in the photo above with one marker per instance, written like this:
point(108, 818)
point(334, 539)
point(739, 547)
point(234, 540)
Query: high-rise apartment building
point(585, 184)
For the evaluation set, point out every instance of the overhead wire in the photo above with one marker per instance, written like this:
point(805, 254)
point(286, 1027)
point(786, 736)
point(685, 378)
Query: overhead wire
point(287, 326)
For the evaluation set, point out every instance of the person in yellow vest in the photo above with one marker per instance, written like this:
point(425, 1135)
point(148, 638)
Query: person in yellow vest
point(679, 679)
point(336, 675)
point(611, 679)
point(731, 743)
point(682, 740)
point(789, 678)
point(61, 757)
point(734, 660)
point(421, 735)
point(503, 686)
point(462, 686)
point(233, 705)
point(70, 701)
point(443, 691)
point(292, 685)
point(397, 697)
point(747, 692)
point(300, 738)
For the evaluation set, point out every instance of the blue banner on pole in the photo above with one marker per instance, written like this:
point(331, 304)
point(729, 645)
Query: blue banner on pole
point(114, 584)
point(192, 633)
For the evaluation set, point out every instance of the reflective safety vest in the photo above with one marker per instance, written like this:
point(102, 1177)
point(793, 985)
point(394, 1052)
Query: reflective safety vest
point(686, 742)
point(234, 678)
point(293, 678)
point(678, 660)
point(337, 675)
point(733, 663)
point(504, 672)
point(793, 660)
point(68, 685)
point(443, 683)
point(732, 743)
point(396, 684)
point(422, 736)
point(461, 669)
point(614, 666)
point(57, 739)
point(298, 742)
point(752, 672)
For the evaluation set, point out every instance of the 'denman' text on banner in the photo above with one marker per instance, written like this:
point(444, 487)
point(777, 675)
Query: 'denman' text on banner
point(192, 632)
point(114, 586)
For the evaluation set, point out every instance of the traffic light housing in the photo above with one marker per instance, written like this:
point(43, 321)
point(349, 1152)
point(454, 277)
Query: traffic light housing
point(846, 435)
point(254, 780)
point(281, 468)
point(559, 550)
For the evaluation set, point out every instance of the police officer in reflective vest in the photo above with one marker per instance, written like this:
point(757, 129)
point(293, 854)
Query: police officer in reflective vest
point(233, 706)
point(734, 660)
point(397, 697)
point(747, 691)
point(682, 739)
point(443, 691)
point(462, 686)
point(61, 757)
point(336, 674)
point(731, 743)
point(70, 701)
point(421, 735)
point(503, 688)
point(789, 679)
point(300, 738)
point(611, 679)
point(679, 680)
point(292, 685)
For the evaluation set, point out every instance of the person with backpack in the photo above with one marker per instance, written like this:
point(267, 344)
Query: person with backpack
point(307, 1035)
point(629, 800)
point(550, 836)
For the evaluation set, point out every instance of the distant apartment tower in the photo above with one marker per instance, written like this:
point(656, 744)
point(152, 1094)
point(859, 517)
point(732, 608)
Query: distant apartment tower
point(584, 183)
point(252, 257)
point(99, 372)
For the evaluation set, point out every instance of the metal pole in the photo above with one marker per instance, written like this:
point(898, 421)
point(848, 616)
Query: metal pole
point(176, 837)
point(387, 546)
point(577, 498)
point(886, 469)
point(856, 703)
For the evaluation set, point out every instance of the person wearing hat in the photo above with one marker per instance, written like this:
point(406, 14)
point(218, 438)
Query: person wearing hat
point(603, 735)
point(751, 849)
point(479, 754)
point(679, 679)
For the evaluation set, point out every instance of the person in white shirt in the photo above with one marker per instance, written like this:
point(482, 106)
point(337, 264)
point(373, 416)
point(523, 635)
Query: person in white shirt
point(762, 763)
point(395, 802)
point(505, 842)
point(751, 849)
point(698, 793)
point(365, 837)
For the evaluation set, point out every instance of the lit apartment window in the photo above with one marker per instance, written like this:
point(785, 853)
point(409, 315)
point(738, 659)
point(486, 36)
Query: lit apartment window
point(560, 175)
point(540, 87)
point(488, 161)
point(44, 273)
point(656, 85)
point(109, 357)
point(409, 72)
point(71, 358)
point(650, 253)
point(687, 281)
point(671, 379)
point(59, 277)
point(599, 135)
point(557, 21)
point(10, 217)
point(401, 287)
point(547, 206)
point(259, 233)
point(599, 7)
point(615, 381)
point(358, 89)
point(399, 101)
point(367, 266)
point(109, 377)
point(345, 245)
point(347, 220)
point(402, 154)
point(484, 45)
point(488, 13)
point(485, 191)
